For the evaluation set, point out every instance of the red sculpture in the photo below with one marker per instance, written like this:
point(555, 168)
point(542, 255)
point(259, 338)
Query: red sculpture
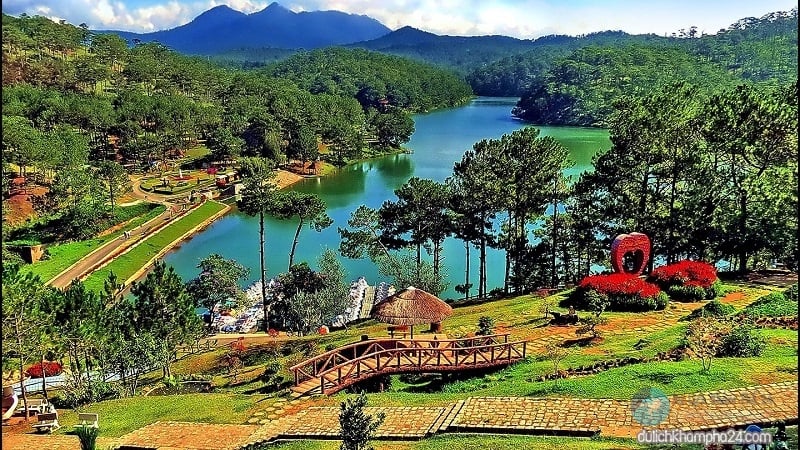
point(637, 245)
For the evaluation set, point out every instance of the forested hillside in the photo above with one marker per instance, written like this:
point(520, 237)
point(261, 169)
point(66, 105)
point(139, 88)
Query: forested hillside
point(373, 78)
point(74, 102)
point(578, 88)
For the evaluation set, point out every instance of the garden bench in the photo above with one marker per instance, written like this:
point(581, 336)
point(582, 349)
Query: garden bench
point(87, 420)
point(47, 422)
point(38, 405)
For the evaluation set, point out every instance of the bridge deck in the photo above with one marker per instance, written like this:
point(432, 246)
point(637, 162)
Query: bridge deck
point(334, 370)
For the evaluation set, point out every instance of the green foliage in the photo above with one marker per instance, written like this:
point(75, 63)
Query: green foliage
point(87, 437)
point(485, 326)
point(356, 426)
point(774, 304)
point(714, 308)
point(743, 342)
point(218, 280)
point(371, 77)
point(689, 293)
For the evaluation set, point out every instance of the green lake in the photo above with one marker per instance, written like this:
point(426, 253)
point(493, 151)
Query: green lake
point(440, 139)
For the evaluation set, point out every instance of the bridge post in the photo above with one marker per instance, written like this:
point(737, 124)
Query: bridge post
point(438, 357)
point(322, 385)
point(296, 378)
point(493, 353)
point(524, 348)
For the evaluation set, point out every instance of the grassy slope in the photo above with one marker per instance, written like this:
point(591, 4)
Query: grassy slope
point(127, 264)
point(118, 417)
point(777, 363)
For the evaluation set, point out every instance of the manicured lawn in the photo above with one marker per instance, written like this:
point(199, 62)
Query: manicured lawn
point(118, 417)
point(126, 265)
point(65, 255)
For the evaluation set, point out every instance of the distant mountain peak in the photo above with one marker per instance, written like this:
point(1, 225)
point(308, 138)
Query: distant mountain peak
point(275, 7)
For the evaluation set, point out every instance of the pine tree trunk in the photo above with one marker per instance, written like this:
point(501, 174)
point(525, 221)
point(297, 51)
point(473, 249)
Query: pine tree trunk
point(466, 272)
point(294, 243)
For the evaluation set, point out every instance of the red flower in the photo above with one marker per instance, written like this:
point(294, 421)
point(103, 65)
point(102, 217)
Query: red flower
point(620, 284)
point(51, 368)
point(686, 273)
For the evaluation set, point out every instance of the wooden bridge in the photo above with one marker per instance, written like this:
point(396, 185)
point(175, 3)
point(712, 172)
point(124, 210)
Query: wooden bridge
point(334, 370)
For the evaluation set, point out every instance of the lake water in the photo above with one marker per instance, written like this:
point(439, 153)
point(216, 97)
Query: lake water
point(440, 139)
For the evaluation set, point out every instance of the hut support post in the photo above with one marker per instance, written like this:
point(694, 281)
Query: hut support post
point(412, 331)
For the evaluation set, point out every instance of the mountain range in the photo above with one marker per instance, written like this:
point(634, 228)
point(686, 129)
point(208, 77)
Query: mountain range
point(221, 29)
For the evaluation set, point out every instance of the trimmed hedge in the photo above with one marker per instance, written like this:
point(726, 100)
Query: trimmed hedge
point(688, 280)
point(625, 292)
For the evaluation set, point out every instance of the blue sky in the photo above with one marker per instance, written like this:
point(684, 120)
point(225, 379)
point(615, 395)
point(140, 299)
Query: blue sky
point(520, 18)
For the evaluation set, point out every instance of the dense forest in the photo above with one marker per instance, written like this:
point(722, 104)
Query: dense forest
point(373, 78)
point(79, 101)
point(578, 89)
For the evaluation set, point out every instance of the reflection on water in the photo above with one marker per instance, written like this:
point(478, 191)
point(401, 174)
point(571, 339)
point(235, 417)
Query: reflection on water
point(440, 139)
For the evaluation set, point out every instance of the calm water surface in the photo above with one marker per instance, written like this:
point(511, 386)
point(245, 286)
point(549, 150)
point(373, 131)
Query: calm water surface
point(440, 139)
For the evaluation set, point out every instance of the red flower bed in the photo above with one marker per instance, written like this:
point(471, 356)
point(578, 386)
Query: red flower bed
point(686, 273)
point(52, 368)
point(620, 284)
point(625, 292)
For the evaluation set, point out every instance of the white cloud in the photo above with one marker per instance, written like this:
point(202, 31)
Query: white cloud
point(519, 18)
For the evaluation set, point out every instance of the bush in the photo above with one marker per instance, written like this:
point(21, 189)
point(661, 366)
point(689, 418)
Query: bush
point(774, 304)
point(50, 368)
point(624, 292)
point(87, 437)
point(713, 308)
point(688, 280)
point(742, 342)
point(485, 326)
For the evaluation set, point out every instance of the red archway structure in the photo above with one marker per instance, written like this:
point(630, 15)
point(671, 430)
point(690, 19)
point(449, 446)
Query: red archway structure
point(637, 245)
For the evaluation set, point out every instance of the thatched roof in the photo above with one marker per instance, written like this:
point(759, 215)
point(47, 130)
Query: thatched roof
point(411, 306)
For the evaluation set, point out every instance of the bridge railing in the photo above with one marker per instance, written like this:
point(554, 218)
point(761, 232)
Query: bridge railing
point(312, 367)
point(419, 358)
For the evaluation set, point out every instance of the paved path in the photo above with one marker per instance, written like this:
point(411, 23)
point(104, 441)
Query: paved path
point(573, 416)
point(110, 250)
point(497, 415)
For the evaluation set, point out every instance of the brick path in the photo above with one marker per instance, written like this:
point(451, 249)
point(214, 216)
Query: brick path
point(612, 418)
point(189, 436)
point(726, 408)
point(55, 442)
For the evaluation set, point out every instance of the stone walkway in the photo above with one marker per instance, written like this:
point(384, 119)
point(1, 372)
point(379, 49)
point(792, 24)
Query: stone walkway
point(498, 415)
point(569, 416)
point(189, 436)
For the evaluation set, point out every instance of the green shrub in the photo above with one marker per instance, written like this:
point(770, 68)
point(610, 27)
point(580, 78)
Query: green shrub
point(485, 326)
point(742, 342)
point(774, 304)
point(714, 308)
point(87, 437)
point(688, 293)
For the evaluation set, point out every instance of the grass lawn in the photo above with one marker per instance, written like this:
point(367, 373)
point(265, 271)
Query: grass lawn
point(65, 255)
point(126, 265)
point(118, 417)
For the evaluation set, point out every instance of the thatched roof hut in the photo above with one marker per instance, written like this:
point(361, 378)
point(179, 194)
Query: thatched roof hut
point(411, 306)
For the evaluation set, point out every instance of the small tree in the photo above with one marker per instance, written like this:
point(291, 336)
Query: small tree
point(356, 426)
point(555, 353)
point(546, 305)
point(485, 326)
point(597, 305)
point(704, 337)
